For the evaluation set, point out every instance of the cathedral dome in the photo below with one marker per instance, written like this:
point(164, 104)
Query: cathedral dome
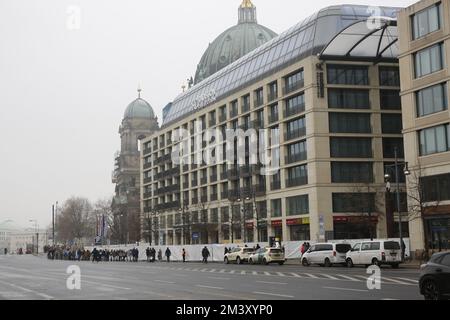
point(234, 43)
point(139, 108)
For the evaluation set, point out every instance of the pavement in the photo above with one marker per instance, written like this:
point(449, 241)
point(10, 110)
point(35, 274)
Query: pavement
point(36, 278)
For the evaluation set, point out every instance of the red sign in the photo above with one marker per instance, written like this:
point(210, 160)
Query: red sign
point(294, 222)
point(355, 219)
point(277, 223)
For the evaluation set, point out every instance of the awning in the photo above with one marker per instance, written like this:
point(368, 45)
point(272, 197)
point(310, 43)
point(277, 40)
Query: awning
point(374, 40)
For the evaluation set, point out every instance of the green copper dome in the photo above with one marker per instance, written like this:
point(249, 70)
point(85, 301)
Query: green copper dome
point(139, 108)
point(234, 43)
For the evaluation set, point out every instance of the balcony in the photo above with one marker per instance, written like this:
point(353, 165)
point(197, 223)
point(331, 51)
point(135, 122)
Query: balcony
point(260, 190)
point(168, 142)
point(147, 209)
point(233, 194)
point(167, 206)
point(275, 185)
point(302, 156)
point(163, 159)
point(293, 87)
point(272, 96)
point(161, 144)
point(273, 118)
point(256, 169)
point(295, 134)
point(293, 110)
point(212, 123)
point(296, 182)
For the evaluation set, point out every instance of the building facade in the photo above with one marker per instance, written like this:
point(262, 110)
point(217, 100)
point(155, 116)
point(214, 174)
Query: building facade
point(332, 119)
point(424, 36)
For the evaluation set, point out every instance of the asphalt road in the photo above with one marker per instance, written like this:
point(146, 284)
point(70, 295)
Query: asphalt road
point(36, 278)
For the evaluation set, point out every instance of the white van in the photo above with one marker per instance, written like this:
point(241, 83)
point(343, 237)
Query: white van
point(378, 252)
point(326, 254)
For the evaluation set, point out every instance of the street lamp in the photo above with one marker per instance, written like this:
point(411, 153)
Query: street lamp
point(182, 210)
point(387, 177)
point(36, 227)
point(243, 212)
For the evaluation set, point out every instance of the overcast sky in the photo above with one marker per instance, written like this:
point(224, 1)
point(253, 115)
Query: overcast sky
point(63, 91)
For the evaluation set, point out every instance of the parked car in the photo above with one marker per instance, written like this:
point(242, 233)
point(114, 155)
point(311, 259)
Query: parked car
point(326, 254)
point(379, 252)
point(238, 255)
point(434, 280)
point(267, 256)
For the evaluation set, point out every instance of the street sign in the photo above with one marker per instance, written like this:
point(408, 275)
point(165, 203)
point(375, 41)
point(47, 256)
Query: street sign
point(195, 235)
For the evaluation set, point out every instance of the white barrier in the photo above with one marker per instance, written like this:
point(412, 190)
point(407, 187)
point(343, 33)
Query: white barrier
point(217, 251)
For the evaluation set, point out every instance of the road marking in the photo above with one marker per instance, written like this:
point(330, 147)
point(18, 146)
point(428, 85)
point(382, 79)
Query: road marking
point(281, 274)
point(267, 273)
point(406, 279)
point(209, 287)
point(213, 270)
point(105, 285)
point(204, 270)
point(328, 276)
point(222, 271)
point(162, 281)
point(311, 276)
point(196, 269)
point(219, 278)
point(273, 294)
point(348, 278)
point(232, 271)
point(43, 295)
point(296, 275)
point(346, 289)
point(255, 273)
point(243, 272)
point(395, 281)
point(268, 282)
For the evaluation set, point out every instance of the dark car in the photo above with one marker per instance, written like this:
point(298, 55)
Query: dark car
point(435, 277)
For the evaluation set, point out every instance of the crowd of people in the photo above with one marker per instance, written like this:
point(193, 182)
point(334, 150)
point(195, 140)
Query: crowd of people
point(74, 253)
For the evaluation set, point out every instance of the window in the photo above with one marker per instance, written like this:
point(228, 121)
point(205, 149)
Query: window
point(389, 146)
point(297, 176)
point(390, 100)
point(389, 76)
point(273, 117)
point(353, 202)
point(348, 99)
point(276, 208)
point(350, 122)
point(294, 81)
point(297, 152)
point(391, 123)
point(351, 172)
point(431, 100)
point(426, 21)
point(296, 128)
point(436, 188)
point(295, 105)
point(429, 60)
point(234, 109)
point(297, 205)
point(351, 147)
point(273, 91)
point(434, 140)
point(246, 103)
point(351, 75)
point(259, 97)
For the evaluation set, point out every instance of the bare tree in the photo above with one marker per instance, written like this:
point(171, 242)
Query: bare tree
point(76, 220)
point(103, 207)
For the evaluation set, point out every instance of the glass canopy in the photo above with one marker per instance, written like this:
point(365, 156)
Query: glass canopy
point(306, 38)
point(373, 39)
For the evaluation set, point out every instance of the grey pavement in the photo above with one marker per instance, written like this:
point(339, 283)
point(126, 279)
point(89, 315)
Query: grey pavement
point(28, 277)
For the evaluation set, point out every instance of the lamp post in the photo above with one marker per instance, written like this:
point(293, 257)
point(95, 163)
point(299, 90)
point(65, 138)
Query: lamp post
point(239, 200)
point(36, 228)
point(388, 188)
point(182, 210)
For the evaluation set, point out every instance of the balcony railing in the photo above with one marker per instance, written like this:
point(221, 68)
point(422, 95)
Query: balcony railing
point(302, 156)
point(233, 194)
point(296, 182)
point(194, 200)
point(167, 205)
point(185, 168)
point(257, 124)
point(293, 87)
point(293, 110)
point(295, 134)
point(260, 190)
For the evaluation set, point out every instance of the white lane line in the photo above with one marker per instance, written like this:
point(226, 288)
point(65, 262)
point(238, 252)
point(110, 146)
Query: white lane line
point(213, 270)
point(267, 273)
point(347, 277)
point(268, 282)
point(281, 274)
point(328, 276)
point(232, 271)
point(311, 276)
point(196, 269)
point(219, 278)
point(162, 281)
point(243, 272)
point(209, 287)
point(43, 295)
point(395, 281)
point(204, 270)
point(273, 294)
point(104, 285)
point(345, 289)
point(363, 278)
point(255, 273)
point(406, 279)
point(296, 275)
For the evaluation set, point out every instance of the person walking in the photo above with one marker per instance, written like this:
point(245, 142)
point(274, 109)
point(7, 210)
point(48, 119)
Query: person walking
point(148, 253)
point(184, 255)
point(159, 255)
point(205, 254)
point(168, 254)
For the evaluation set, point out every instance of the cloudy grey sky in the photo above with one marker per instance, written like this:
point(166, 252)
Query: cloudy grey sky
point(63, 92)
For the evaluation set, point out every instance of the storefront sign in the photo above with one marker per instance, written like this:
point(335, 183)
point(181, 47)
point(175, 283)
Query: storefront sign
point(277, 223)
point(297, 222)
point(355, 219)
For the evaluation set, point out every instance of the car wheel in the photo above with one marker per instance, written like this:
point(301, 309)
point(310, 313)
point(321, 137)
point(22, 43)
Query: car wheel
point(281, 263)
point(238, 260)
point(327, 263)
point(375, 262)
point(349, 263)
point(431, 290)
point(395, 266)
point(226, 260)
point(265, 261)
point(305, 262)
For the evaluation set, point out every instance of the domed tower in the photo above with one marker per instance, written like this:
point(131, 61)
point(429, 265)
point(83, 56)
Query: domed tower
point(234, 43)
point(139, 122)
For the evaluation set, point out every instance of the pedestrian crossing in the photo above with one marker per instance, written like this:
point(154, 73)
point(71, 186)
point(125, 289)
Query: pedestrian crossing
point(300, 275)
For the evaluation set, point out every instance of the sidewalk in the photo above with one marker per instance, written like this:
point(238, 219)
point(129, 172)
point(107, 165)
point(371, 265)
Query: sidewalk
point(407, 265)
